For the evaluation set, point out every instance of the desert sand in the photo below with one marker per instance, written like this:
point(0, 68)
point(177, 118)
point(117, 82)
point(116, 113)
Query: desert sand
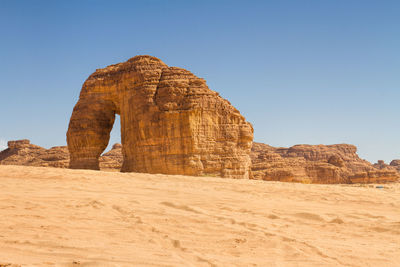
point(62, 217)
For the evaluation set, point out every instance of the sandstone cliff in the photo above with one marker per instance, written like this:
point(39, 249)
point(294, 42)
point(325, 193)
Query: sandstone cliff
point(171, 122)
point(324, 164)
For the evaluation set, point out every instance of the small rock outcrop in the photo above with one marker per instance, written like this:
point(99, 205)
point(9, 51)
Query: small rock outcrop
point(112, 160)
point(171, 122)
point(380, 165)
point(395, 164)
point(325, 164)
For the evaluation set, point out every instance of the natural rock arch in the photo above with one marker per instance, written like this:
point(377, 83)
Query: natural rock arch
point(171, 122)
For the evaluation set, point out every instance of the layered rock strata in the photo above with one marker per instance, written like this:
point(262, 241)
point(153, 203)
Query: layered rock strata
point(326, 164)
point(171, 122)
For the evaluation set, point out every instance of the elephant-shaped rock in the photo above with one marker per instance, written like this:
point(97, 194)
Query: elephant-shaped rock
point(171, 122)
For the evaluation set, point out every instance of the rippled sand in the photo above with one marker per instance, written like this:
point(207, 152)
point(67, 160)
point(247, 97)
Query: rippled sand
point(61, 217)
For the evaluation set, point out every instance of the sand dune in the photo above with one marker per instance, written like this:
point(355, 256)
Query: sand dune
point(61, 217)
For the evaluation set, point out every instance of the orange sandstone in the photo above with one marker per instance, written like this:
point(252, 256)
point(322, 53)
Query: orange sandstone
point(171, 122)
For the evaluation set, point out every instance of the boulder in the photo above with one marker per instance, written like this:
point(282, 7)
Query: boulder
point(171, 122)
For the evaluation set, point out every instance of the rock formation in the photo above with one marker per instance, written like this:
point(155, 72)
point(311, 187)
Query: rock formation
point(301, 163)
point(171, 122)
point(22, 152)
point(112, 160)
point(395, 164)
point(326, 164)
point(380, 164)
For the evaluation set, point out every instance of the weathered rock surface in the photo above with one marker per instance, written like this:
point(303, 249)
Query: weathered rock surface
point(112, 160)
point(326, 164)
point(22, 152)
point(380, 165)
point(395, 164)
point(171, 122)
point(302, 163)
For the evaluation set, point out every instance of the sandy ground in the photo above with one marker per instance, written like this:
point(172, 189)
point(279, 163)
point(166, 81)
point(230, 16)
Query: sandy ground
point(60, 217)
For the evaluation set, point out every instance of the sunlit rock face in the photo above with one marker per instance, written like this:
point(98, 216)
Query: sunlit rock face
point(22, 152)
point(171, 122)
point(395, 164)
point(322, 164)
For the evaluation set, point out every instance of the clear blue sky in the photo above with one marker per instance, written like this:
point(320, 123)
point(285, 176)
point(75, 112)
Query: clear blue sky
point(305, 71)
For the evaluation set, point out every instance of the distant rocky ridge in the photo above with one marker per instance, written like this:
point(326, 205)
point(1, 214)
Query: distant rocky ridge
point(22, 152)
point(324, 164)
point(393, 164)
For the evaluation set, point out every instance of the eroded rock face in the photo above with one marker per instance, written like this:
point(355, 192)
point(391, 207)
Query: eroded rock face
point(171, 122)
point(326, 164)
point(380, 165)
point(309, 164)
point(22, 152)
point(395, 164)
point(112, 160)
